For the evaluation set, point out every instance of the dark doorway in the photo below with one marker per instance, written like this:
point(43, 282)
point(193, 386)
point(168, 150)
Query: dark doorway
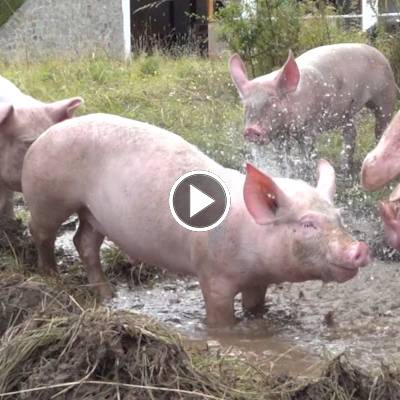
point(168, 24)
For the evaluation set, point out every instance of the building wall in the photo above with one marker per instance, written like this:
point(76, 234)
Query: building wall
point(43, 28)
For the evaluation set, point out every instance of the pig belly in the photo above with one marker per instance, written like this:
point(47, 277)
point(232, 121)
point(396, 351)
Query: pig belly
point(166, 248)
point(137, 218)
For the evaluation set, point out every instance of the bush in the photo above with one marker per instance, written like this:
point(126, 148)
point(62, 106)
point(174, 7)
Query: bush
point(389, 45)
point(318, 29)
point(149, 66)
point(262, 33)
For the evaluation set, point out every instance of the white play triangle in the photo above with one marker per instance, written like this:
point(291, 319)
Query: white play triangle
point(198, 201)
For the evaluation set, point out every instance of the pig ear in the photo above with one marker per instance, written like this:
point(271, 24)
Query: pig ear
point(289, 76)
point(238, 73)
point(64, 109)
point(326, 185)
point(262, 196)
point(5, 111)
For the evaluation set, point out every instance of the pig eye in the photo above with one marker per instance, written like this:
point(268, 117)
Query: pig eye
point(308, 225)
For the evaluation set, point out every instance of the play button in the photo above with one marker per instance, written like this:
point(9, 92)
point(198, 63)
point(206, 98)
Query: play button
point(199, 200)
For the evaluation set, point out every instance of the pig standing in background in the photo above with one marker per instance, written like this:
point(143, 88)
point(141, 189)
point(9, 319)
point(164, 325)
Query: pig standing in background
point(381, 166)
point(117, 175)
point(22, 120)
point(322, 89)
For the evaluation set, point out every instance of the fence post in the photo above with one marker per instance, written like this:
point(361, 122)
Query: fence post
point(126, 26)
point(369, 10)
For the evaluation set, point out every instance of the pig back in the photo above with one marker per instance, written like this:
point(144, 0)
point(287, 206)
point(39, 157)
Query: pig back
point(122, 171)
point(355, 70)
point(11, 94)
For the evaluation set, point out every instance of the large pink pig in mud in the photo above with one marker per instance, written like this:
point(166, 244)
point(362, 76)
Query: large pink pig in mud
point(22, 120)
point(117, 175)
point(322, 89)
point(381, 166)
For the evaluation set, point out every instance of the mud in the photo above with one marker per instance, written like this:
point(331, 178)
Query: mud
point(302, 325)
point(15, 242)
point(99, 355)
point(22, 297)
point(72, 353)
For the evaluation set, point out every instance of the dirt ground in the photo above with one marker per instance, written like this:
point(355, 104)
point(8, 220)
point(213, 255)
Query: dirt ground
point(302, 325)
point(315, 341)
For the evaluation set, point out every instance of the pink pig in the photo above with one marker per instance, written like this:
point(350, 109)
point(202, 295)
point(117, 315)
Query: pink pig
point(116, 174)
point(380, 166)
point(22, 120)
point(322, 89)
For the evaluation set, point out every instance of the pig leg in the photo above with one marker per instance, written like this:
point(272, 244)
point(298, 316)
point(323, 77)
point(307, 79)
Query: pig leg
point(383, 114)
point(381, 122)
point(45, 220)
point(87, 241)
point(349, 144)
point(44, 236)
point(253, 300)
point(6, 203)
point(219, 300)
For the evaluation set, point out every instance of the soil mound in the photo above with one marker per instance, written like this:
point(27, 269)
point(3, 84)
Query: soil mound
point(99, 355)
point(341, 380)
point(16, 242)
point(20, 298)
point(51, 347)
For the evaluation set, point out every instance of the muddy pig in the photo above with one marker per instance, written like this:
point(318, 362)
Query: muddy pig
point(322, 89)
point(389, 211)
point(380, 166)
point(22, 120)
point(117, 175)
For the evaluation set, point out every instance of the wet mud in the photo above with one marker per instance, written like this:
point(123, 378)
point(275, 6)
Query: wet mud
point(303, 324)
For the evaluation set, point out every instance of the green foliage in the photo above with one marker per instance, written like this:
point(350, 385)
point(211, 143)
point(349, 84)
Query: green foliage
point(191, 96)
point(262, 34)
point(150, 66)
point(389, 44)
point(318, 28)
point(7, 8)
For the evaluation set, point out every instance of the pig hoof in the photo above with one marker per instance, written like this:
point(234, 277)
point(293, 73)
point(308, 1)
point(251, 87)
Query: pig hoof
point(105, 292)
point(254, 313)
point(49, 271)
point(221, 323)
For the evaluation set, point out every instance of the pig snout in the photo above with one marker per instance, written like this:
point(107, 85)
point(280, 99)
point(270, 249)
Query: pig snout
point(357, 255)
point(254, 134)
point(378, 169)
point(370, 177)
point(348, 260)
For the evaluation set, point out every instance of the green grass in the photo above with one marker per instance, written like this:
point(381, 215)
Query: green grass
point(191, 96)
point(7, 8)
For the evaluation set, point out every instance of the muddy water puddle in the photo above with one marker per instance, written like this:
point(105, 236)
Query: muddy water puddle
point(303, 324)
